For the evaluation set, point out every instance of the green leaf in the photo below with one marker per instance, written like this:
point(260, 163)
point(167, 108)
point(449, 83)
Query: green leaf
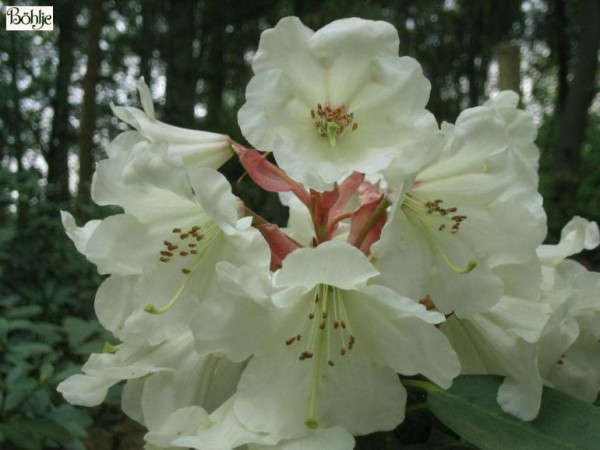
point(46, 371)
point(3, 329)
point(20, 437)
point(29, 348)
point(78, 330)
point(46, 429)
point(23, 311)
point(469, 409)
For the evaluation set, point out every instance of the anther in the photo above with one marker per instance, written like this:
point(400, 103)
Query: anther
point(182, 253)
point(194, 252)
point(342, 351)
point(311, 316)
point(290, 341)
point(343, 324)
point(176, 230)
point(330, 362)
point(186, 271)
point(164, 259)
point(165, 253)
point(184, 235)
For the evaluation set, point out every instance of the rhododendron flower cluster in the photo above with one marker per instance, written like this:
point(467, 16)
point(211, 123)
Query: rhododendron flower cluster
point(412, 250)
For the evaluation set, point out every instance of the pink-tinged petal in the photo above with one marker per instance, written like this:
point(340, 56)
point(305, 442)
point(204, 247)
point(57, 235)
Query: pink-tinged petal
point(347, 189)
point(267, 175)
point(366, 225)
point(280, 243)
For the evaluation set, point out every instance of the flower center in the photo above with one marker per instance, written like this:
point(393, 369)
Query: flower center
point(191, 244)
point(332, 123)
point(432, 214)
point(327, 317)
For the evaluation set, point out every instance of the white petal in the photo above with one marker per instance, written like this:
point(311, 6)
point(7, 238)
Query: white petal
point(223, 431)
point(334, 263)
point(84, 390)
point(79, 236)
point(577, 235)
point(334, 438)
point(398, 333)
point(274, 393)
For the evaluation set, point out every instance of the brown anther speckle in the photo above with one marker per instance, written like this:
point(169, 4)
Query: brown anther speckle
point(186, 271)
point(182, 253)
point(176, 230)
point(183, 235)
point(163, 259)
point(290, 341)
point(330, 362)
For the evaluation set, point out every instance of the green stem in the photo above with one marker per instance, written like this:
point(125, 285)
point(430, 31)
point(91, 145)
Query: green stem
point(420, 385)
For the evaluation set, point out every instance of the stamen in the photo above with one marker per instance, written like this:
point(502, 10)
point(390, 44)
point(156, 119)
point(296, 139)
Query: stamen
point(424, 211)
point(470, 265)
point(166, 256)
point(332, 122)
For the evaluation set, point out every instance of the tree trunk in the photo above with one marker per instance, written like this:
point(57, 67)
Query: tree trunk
point(58, 149)
point(581, 90)
point(88, 112)
point(16, 125)
point(215, 65)
point(181, 76)
point(508, 55)
point(147, 41)
point(572, 123)
point(563, 55)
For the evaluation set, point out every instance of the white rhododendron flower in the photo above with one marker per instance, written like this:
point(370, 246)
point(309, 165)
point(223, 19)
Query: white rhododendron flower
point(338, 100)
point(455, 222)
point(195, 148)
point(331, 346)
point(502, 341)
point(569, 356)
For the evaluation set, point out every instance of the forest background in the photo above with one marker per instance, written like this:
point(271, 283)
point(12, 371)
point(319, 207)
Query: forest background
point(55, 122)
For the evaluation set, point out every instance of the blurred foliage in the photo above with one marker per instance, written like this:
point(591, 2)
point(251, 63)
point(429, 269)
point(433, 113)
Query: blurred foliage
point(47, 324)
point(37, 352)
